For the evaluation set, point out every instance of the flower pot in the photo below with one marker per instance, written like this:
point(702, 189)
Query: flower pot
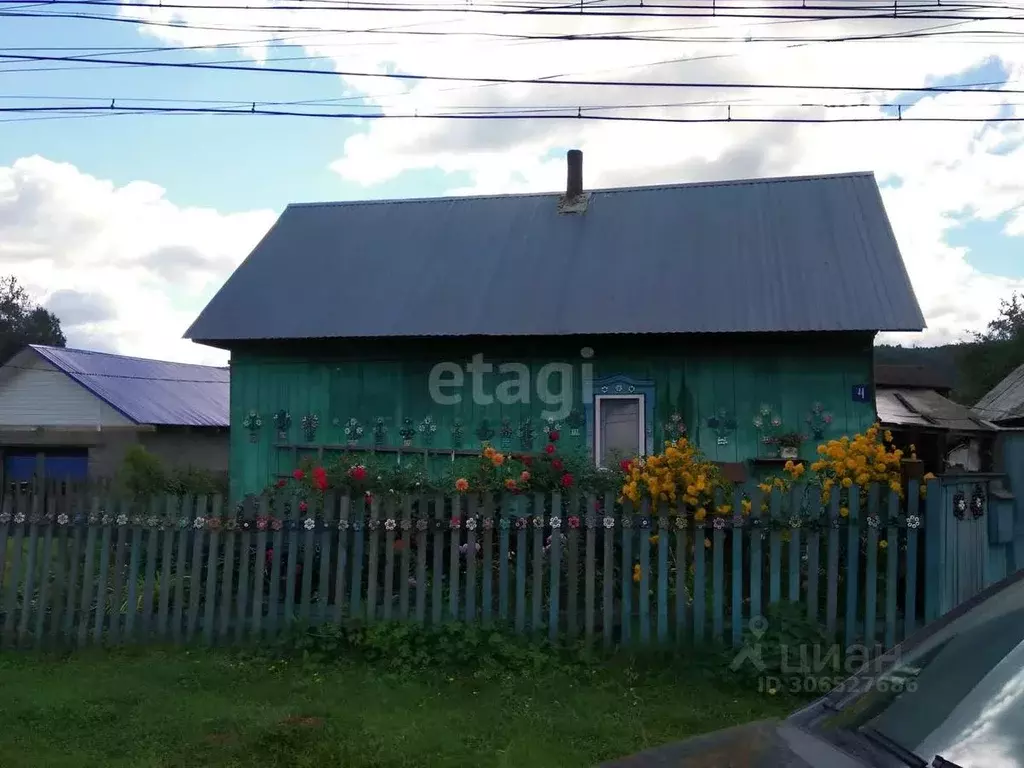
point(789, 452)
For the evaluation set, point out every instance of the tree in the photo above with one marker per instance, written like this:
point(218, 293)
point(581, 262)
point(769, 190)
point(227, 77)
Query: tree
point(993, 354)
point(1008, 325)
point(23, 322)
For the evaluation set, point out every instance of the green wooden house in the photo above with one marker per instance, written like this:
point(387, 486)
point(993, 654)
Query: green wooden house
point(733, 312)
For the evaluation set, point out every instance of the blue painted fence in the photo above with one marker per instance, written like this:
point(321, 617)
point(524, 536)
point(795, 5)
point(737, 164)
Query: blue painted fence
point(77, 569)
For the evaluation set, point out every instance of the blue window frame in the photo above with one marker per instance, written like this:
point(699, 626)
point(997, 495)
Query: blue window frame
point(620, 390)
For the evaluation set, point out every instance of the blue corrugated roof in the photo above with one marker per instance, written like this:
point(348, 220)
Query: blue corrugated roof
point(149, 391)
point(792, 254)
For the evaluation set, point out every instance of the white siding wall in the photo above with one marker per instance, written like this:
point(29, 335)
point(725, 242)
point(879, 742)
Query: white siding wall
point(39, 395)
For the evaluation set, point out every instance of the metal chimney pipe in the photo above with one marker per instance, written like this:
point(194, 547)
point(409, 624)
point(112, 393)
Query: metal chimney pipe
point(574, 176)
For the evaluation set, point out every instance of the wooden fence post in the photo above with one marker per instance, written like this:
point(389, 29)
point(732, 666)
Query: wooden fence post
point(934, 530)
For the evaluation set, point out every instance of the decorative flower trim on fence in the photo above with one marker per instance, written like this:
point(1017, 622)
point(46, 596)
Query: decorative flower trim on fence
point(628, 520)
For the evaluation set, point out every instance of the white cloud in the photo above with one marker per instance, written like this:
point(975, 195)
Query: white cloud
point(158, 263)
point(124, 268)
point(944, 168)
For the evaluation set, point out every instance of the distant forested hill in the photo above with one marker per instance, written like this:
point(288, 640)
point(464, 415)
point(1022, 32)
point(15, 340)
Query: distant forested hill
point(942, 359)
point(973, 367)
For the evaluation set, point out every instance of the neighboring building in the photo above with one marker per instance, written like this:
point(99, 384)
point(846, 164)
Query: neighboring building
point(698, 301)
point(1004, 403)
point(73, 413)
point(913, 403)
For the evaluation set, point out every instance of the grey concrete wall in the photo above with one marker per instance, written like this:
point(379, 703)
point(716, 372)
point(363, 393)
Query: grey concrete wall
point(106, 448)
point(107, 456)
point(206, 449)
point(176, 447)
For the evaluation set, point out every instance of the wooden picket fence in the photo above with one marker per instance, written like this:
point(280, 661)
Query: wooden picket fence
point(79, 569)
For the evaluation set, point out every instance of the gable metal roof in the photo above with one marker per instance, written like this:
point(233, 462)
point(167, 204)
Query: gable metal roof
point(770, 255)
point(148, 391)
point(1005, 401)
point(919, 407)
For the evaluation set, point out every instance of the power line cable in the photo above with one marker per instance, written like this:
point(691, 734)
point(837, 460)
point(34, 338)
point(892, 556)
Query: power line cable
point(497, 107)
point(473, 10)
point(645, 36)
point(579, 115)
point(276, 29)
point(510, 80)
point(399, 29)
point(789, 11)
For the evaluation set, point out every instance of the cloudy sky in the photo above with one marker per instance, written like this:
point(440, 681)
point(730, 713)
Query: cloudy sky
point(125, 224)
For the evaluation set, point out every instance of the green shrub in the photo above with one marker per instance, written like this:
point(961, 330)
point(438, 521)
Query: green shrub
point(785, 644)
point(143, 476)
point(454, 648)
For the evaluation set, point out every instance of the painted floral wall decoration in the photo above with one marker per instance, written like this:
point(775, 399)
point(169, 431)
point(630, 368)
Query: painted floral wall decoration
point(427, 429)
point(408, 431)
point(253, 422)
point(525, 434)
point(310, 423)
point(723, 425)
point(959, 505)
point(506, 433)
point(674, 428)
point(282, 423)
point(380, 432)
point(977, 502)
point(552, 427)
point(818, 420)
point(484, 432)
point(353, 431)
point(575, 420)
point(767, 423)
point(457, 429)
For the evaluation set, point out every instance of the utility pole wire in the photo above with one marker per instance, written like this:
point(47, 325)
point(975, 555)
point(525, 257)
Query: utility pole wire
point(507, 80)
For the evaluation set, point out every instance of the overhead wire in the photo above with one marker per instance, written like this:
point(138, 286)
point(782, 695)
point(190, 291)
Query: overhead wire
point(790, 11)
point(527, 110)
point(575, 13)
point(579, 115)
point(477, 81)
point(644, 36)
point(419, 77)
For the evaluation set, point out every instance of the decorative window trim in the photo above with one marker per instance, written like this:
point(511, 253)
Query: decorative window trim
point(622, 387)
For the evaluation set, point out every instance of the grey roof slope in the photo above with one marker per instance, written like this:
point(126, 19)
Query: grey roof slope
point(154, 392)
point(1005, 401)
point(790, 254)
point(920, 407)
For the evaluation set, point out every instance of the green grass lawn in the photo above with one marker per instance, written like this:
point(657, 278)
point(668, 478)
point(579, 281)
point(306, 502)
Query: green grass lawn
point(176, 709)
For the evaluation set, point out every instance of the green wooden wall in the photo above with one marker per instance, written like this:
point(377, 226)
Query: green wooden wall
point(698, 377)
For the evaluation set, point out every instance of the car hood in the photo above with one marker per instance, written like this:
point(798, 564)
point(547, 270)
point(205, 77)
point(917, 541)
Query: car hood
point(762, 744)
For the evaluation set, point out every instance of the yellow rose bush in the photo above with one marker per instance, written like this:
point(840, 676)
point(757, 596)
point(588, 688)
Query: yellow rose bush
point(867, 458)
point(679, 474)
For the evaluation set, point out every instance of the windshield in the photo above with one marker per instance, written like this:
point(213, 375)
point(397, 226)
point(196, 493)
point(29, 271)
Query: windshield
point(959, 694)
